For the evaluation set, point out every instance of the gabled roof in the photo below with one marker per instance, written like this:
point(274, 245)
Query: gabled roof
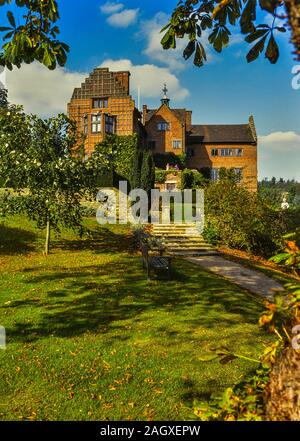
point(239, 133)
point(101, 82)
point(215, 133)
point(179, 113)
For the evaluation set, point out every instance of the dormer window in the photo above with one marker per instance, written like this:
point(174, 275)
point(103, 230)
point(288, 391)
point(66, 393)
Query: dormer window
point(163, 126)
point(100, 103)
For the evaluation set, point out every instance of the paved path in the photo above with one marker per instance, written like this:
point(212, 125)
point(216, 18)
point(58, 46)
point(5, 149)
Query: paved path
point(250, 279)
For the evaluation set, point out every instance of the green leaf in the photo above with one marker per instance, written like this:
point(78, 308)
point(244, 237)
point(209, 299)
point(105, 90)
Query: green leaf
point(11, 19)
point(272, 51)
point(189, 50)
point(48, 58)
point(256, 50)
point(256, 35)
point(268, 5)
point(280, 29)
point(280, 257)
point(227, 359)
point(198, 59)
point(248, 16)
point(8, 35)
point(165, 27)
point(168, 41)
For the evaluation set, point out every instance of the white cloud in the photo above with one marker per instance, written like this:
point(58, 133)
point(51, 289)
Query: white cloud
point(150, 78)
point(123, 19)
point(151, 29)
point(42, 91)
point(173, 58)
point(47, 93)
point(279, 155)
point(111, 7)
point(277, 138)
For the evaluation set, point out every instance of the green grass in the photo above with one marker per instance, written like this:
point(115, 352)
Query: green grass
point(89, 338)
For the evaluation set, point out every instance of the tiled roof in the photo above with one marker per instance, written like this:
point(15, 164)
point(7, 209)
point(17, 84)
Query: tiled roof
point(180, 114)
point(149, 114)
point(221, 133)
point(101, 82)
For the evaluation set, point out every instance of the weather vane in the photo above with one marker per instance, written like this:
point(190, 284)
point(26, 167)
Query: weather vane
point(165, 91)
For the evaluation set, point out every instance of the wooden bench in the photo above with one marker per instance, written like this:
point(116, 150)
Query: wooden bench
point(155, 262)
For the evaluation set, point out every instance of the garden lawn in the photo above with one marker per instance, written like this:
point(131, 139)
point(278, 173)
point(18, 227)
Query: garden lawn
point(89, 338)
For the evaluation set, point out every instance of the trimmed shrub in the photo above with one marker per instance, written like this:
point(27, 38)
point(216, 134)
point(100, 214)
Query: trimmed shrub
point(147, 171)
point(161, 176)
point(162, 159)
point(192, 179)
point(206, 173)
point(240, 219)
point(120, 151)
point(187, 179)
point(136, 167)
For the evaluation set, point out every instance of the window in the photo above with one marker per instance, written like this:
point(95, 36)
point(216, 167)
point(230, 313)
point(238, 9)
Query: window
point(100, 103)
point(171, 186)
point(239, 174)
point(176, 144)
point(86, 124)
point(163, 126)
point(226, 152)
point(110, 124)
point(96, 123)
point(151, 145)
point(214, 174)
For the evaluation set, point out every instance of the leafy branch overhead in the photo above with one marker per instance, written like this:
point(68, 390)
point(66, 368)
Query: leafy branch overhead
point(192, 18)
point(35, 38)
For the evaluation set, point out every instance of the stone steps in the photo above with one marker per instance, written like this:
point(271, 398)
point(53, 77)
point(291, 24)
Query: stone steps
point(182, 240)
point(189, 253)
point(175, 234)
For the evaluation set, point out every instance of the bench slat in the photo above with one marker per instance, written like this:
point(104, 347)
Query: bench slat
point(155, 262)
point(159, 262)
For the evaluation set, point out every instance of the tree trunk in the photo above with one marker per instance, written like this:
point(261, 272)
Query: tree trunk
point(283, 390)
point(47, 243)
point(293, 11)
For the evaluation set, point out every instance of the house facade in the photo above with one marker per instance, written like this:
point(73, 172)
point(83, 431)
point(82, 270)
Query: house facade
point(103, 105)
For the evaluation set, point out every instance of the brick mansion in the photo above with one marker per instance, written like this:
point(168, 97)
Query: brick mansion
point(103, 105)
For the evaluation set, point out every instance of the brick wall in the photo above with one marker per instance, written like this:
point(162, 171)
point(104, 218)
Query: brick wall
point(164, 139)
point(248, 162)
point(113, 87)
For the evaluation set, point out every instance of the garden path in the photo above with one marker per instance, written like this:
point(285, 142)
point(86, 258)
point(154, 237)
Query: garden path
point(247, 278)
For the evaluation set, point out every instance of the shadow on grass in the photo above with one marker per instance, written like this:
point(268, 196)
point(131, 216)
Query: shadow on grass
point(110, 243)
point(104, 298)
point(16, 240)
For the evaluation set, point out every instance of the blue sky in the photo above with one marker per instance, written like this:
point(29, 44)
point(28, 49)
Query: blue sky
point(125, 35)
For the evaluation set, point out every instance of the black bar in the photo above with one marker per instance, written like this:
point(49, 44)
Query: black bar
point(146, 430)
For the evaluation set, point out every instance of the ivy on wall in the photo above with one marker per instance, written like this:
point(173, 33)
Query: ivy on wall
point(128, 160)
point(120, 152)
point(162, 159)
point(192, 179)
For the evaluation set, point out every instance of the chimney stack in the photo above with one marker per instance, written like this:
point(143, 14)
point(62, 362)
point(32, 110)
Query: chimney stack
point(252, 127)
point(145, 110)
